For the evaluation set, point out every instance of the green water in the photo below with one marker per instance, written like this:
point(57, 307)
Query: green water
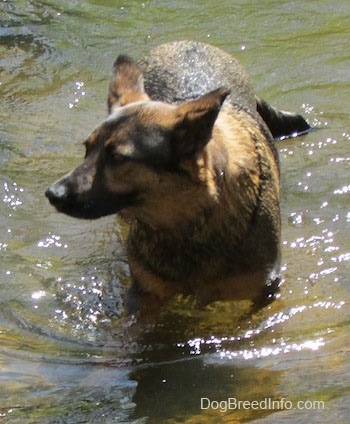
point(65, 354)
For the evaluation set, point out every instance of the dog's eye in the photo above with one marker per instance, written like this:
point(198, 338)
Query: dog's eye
point(118, 159)
point(112, 156)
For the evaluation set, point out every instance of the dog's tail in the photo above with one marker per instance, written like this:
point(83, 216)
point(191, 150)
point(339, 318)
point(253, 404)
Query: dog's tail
point(282, 124)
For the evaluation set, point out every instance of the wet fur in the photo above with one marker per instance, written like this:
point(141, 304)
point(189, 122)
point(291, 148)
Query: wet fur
point(187, 157)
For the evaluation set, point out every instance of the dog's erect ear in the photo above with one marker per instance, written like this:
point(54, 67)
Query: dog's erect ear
point(126, 85)
point(195, 121)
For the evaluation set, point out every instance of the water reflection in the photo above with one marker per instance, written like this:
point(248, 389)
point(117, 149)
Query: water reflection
point(179, 387)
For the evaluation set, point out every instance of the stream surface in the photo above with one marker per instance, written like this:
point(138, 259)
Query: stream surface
point(66, 355)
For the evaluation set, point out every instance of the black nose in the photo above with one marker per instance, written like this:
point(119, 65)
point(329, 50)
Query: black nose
point(57, 193)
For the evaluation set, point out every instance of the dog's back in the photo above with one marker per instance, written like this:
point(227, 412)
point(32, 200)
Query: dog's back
point(185, 70)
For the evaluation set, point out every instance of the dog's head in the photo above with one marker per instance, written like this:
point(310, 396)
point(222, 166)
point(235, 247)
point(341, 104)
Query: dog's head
point(142, 155)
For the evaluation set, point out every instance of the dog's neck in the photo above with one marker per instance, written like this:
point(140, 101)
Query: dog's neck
point(203, 220)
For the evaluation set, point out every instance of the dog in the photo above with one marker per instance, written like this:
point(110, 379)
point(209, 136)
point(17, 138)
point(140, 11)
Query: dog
point(187, 157)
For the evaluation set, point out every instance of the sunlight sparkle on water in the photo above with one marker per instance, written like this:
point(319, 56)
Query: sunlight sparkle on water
point(78, 93)
point(12, 200)
point(342, 190)
point(273, 351)
point(196, 345)
point(38, 295)
point(52, 240)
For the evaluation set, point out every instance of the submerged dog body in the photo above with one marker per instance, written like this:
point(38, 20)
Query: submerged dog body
point(187, 157)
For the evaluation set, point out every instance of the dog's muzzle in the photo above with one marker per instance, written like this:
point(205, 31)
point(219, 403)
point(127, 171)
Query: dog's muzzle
point(66, 199)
